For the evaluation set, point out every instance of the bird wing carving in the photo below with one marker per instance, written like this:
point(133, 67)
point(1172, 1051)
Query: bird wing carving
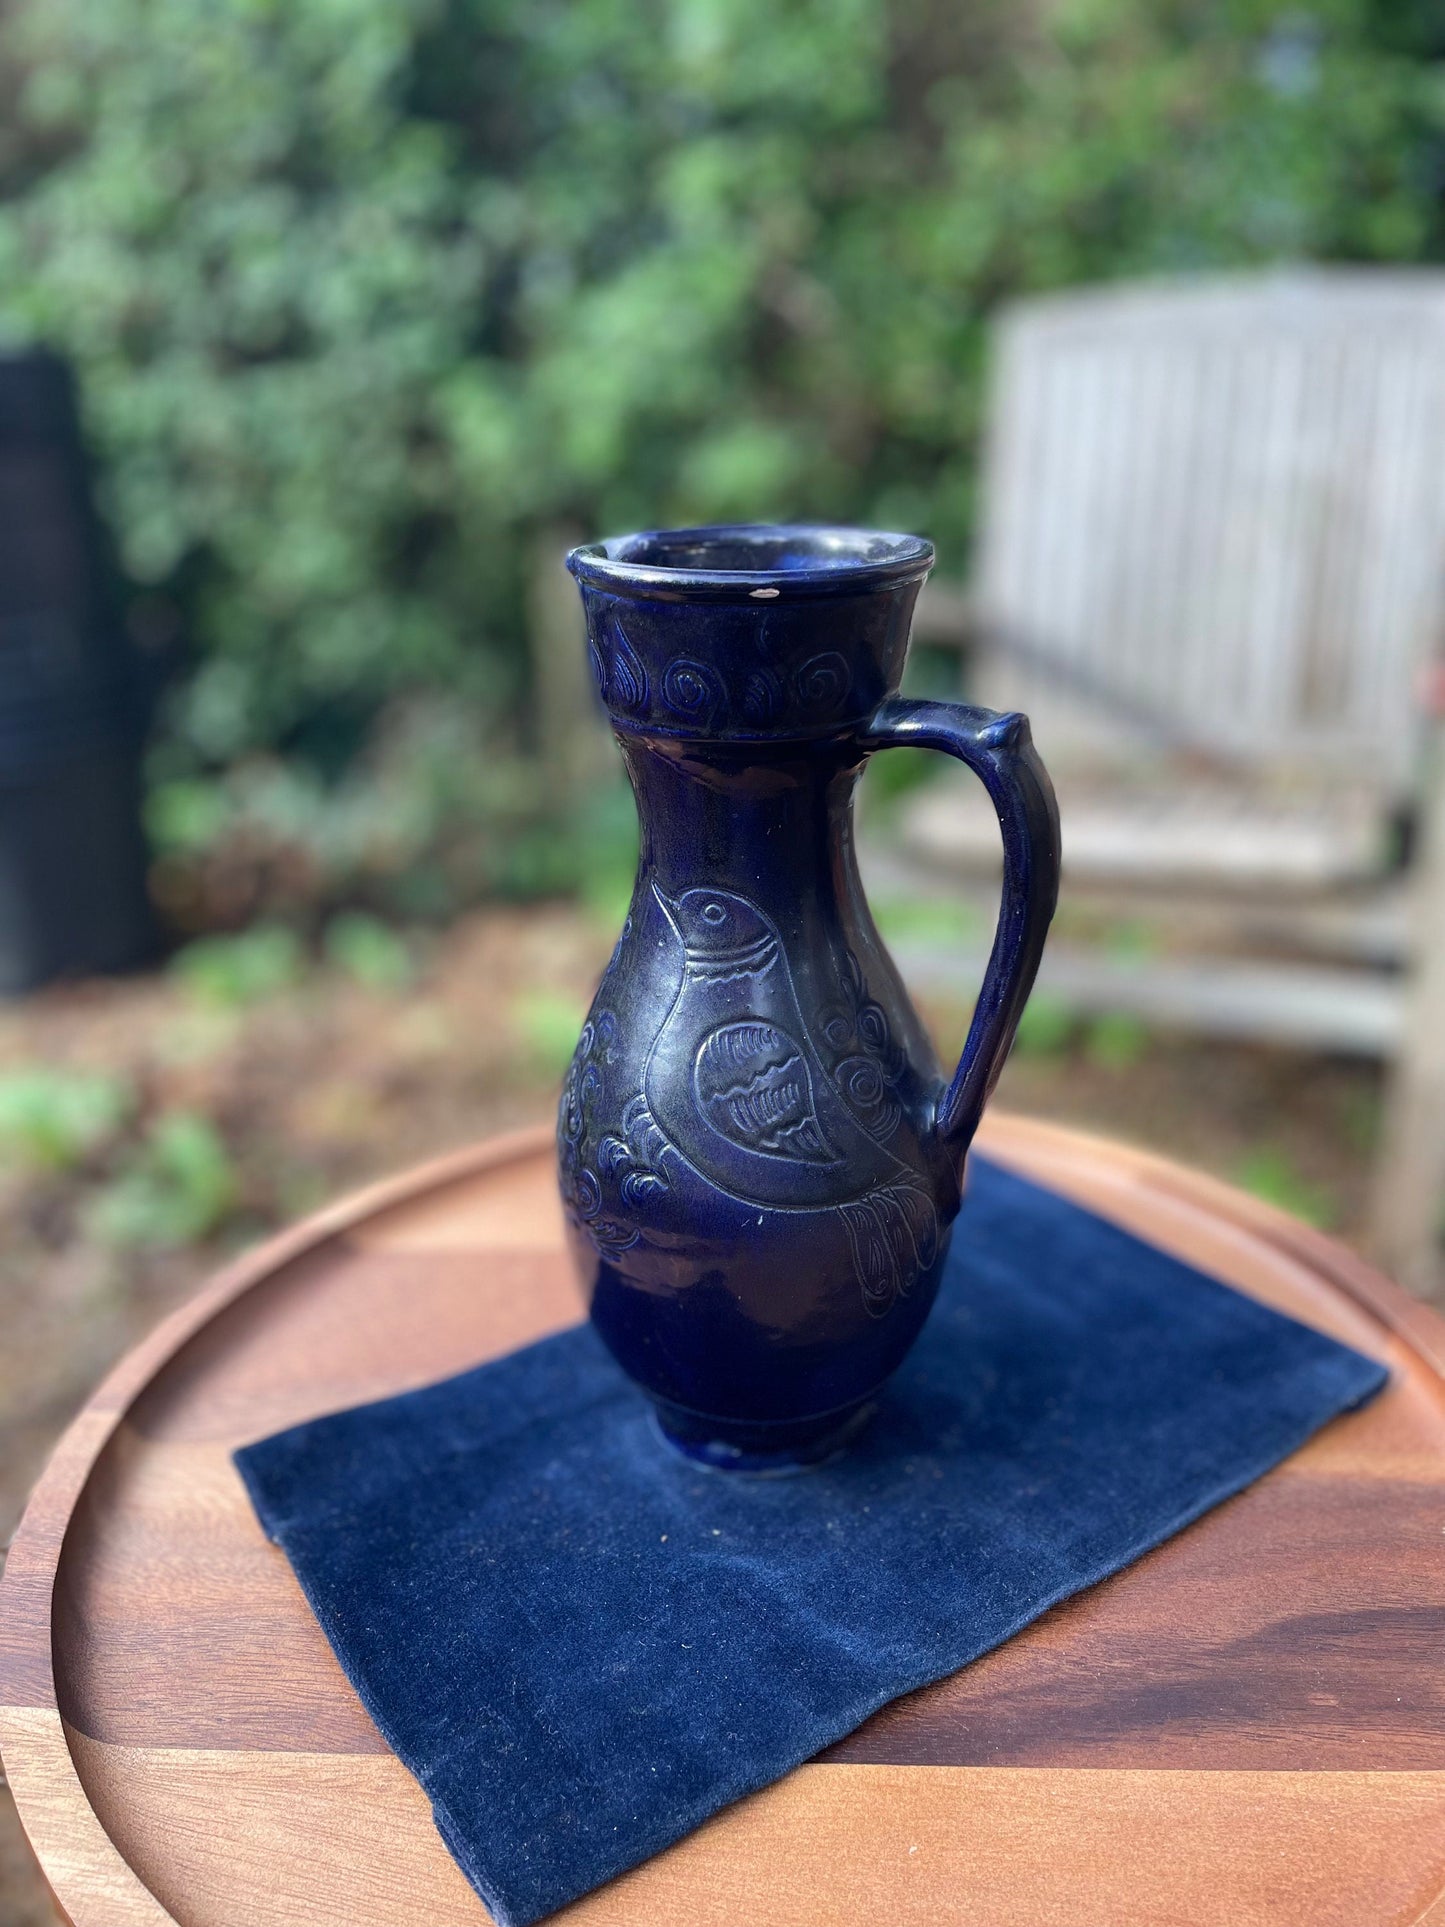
point(752, 1085)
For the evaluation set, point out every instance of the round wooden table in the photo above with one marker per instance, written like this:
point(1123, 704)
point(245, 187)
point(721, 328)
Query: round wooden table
point(1248, 1726)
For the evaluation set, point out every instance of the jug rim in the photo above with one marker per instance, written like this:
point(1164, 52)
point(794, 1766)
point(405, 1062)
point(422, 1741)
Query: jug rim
point(757, 561)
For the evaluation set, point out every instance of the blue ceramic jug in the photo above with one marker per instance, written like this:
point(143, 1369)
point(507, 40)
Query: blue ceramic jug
point(761, 1160)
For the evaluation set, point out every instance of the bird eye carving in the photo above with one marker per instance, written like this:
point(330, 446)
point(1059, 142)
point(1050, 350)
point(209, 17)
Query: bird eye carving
point(713, 913)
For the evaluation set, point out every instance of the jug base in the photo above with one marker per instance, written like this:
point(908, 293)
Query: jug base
point(762, 1449)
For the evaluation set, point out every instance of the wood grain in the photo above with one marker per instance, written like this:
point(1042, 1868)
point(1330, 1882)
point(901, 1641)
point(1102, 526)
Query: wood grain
point(1248, 1725)
point(907, 1845)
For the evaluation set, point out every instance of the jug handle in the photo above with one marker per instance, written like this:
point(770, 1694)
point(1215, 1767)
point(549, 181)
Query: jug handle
point(999, 749)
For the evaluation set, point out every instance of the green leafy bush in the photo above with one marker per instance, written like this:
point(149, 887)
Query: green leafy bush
point(363, 293)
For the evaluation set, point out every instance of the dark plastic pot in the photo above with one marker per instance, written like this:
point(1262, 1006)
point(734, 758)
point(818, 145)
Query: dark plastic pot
point(73, 896)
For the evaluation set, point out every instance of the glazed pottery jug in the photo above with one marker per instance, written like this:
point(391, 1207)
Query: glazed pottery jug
point(761, 1160)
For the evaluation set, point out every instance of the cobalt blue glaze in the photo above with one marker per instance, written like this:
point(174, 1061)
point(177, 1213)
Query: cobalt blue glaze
point(761, 1160)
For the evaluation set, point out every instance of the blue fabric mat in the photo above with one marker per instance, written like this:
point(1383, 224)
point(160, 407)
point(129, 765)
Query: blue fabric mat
point(582, 1646)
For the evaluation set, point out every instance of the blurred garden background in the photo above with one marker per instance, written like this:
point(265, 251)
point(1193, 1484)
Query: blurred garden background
point(373, 307)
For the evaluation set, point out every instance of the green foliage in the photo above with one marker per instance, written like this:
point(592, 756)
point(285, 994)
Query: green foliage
point(1131, 940)
point(607, 894)
point(890, 777)
point(178, 1188)
point(606, 844)
point(368, 951)
point(1116, 1041)
point(51, 1120)
point(228, 971)
point(1046, 1028)
point(432, 814)
point(548, 1025)
point(929, 920)
point(1270, 1173)
point(364, 292)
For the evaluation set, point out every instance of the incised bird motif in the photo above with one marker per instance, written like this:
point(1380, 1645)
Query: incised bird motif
point(736, 1086)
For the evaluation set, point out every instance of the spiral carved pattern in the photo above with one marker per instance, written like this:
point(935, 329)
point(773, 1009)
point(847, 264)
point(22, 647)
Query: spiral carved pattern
point(762, 697)
point(823, 682)
point(873, 1028)
point(706, 696)
point(692, 690)
point(868, 1097)
point(870, 1062)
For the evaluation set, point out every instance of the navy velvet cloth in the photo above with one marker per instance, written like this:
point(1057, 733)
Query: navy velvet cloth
point(582, 1645)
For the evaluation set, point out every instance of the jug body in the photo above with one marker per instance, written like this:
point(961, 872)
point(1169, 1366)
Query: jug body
point(758, 1168)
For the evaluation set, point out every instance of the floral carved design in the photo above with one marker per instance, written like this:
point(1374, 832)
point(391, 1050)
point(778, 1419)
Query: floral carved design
point(633, 1160)
point(630, 1159)
point(868, 1063)
point(621, 677)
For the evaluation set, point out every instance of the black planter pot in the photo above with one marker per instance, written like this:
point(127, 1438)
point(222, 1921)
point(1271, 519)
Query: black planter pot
point(73, 896)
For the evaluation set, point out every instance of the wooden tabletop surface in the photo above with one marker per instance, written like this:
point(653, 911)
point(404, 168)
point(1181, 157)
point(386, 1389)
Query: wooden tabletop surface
point(1248, 1726)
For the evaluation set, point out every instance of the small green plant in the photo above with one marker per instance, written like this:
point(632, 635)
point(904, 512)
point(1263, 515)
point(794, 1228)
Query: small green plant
point(241, 969)
point(180, 1186)
point(185, 815)
point(1270, 1173)
point(50, 1120)
point(928, 919)
point(370, 953)
point(1131, 940)
point(1116, 1041)
point(1046, 1028)
point(548, 1025)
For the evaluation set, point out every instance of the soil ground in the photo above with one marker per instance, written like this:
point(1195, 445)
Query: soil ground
point(223, 1103)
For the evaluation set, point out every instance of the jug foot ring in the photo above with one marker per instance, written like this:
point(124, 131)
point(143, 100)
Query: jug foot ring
point(764, 1450)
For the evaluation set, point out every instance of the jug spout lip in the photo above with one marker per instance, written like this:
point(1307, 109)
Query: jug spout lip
point(752, 561)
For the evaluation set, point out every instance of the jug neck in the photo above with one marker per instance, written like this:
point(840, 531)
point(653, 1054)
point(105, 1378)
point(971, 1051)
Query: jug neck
point(773, 822)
